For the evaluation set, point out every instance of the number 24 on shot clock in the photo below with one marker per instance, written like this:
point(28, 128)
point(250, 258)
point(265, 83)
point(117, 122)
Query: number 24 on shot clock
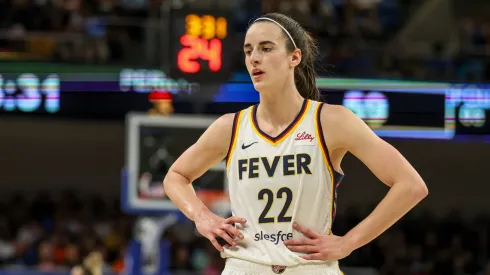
point(202, 40)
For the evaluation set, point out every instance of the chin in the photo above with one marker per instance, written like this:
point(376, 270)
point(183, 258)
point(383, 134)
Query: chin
point(260, 86)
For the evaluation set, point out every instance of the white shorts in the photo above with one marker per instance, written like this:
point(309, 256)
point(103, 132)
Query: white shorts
point(241, 267)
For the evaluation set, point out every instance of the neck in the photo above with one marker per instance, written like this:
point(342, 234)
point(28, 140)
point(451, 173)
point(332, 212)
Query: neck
point(280, 106)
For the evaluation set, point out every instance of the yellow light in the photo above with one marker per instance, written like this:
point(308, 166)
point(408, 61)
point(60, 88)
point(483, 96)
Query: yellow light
point(221, 28)
point(193, 25)
point(208, 27)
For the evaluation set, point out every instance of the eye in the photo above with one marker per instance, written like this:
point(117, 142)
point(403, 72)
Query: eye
point(267, 49)
point(248, 52)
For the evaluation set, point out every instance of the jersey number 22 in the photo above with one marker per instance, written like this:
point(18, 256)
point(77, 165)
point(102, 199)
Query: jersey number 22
point(282, 192)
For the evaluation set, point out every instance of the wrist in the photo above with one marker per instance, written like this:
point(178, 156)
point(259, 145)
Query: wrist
point(199, 212)
point(352, 241)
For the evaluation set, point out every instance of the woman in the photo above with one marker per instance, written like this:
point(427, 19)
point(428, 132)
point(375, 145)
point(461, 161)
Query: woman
point(283, 161)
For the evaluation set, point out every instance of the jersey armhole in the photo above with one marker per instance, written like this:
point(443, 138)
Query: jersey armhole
point(336, 176)
point(234, 135)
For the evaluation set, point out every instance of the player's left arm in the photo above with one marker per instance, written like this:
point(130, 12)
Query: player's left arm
point(345, 131)
point(386, 163)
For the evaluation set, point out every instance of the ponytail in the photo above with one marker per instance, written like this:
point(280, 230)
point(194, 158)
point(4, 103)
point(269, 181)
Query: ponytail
point(305, 74)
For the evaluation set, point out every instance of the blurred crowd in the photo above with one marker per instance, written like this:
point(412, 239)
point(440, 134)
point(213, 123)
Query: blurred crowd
point(88, 31)
point(57, 233)
point(417, 245)
point(424, 245)
point(356, 37)
point(351, 34)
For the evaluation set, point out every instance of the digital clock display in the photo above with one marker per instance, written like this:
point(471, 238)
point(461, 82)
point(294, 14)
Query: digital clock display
point(201, 49)
point(28, 93)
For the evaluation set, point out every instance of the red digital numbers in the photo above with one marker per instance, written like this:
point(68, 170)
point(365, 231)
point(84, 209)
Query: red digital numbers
point(202, 41)
point(196, 48)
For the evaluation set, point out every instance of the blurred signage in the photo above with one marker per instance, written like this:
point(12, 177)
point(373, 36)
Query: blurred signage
point(30, 93)
point(470, 105)
point(391, 108)
point(144, 81)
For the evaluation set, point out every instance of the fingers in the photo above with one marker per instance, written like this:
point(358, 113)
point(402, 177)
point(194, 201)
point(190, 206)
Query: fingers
point(225, 237)
point(226, 232)
point(220, 238)
point(233, 220)
point(306, 231)
point(303, 248)
point(215, 243)
point(234, 232)
point(300, 241)
point(228, 226)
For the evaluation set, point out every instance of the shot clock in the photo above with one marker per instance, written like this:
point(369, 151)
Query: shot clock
point(202, 40)
point(201, 49)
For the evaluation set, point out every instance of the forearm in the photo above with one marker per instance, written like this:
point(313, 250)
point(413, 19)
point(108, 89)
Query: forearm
point(400, 199)
point(182, 193)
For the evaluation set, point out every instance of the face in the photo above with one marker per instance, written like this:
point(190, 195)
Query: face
point(268, 62)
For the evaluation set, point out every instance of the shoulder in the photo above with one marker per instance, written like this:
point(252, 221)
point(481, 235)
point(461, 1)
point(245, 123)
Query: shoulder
point(342, 127)
point(336, 115)
point(221, 127)
point(225, 121)
point(228, 121)
point(220, 131)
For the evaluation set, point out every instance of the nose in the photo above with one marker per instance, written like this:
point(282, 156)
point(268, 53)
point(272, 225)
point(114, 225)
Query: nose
point(255, 58)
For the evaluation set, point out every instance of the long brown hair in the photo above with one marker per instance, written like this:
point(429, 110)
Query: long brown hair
point(304, 73)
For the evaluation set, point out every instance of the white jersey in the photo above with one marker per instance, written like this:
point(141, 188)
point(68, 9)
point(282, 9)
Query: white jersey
point(275, 181)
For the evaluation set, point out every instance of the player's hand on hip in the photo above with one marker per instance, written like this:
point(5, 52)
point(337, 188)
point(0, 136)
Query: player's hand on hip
point(317, 246)
point(212, 226)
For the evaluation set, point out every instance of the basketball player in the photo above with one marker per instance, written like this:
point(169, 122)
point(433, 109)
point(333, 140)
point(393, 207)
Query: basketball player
point(283, 165)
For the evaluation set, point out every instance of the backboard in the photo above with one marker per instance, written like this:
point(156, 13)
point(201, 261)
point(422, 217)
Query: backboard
point(153, 143)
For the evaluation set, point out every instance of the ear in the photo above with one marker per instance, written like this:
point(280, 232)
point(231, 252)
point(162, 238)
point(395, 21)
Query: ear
point(295, 58)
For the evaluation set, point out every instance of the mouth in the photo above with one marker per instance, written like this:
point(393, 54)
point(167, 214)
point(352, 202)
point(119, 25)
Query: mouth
point(257, 72)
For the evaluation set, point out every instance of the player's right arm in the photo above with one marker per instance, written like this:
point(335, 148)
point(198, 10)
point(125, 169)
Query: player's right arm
point(211, 148)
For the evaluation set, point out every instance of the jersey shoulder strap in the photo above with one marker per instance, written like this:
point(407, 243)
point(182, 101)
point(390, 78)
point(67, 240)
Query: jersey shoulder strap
point(237, 121)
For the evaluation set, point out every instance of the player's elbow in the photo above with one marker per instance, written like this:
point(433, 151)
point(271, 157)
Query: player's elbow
point(173, 178)
point(167, 181)
point(419, 190)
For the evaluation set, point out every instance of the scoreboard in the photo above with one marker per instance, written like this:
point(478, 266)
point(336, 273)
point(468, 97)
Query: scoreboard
point(202, 40)
point(201, 49)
